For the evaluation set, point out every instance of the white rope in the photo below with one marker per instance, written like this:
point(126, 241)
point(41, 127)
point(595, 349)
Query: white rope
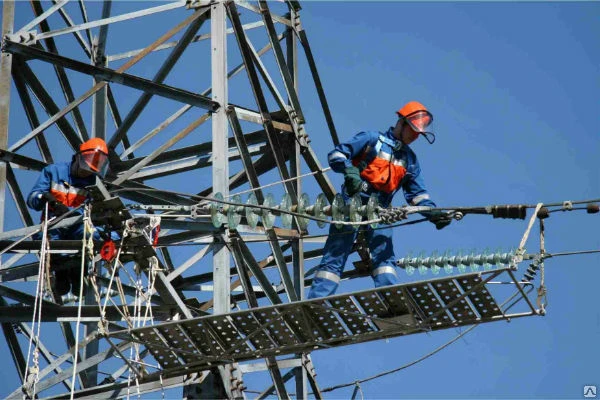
point(137, 283)
point(137, 324)
point(154, 268)
point(139, 299)
point(137, 311)
point(521, 249)
point(282, 181)
point(112, 276)
point(87, 244)
point(115, 265)
point(37, 306)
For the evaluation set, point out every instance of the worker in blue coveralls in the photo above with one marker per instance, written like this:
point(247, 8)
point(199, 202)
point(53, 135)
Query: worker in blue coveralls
point(381, 163)
point(62, 186)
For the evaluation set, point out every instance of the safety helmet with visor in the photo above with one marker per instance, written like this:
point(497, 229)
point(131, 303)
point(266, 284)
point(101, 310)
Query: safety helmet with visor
point(418, 118)
point(93, 157)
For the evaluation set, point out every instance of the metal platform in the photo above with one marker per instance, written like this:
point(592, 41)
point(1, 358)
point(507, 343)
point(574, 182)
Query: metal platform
point(333, 321)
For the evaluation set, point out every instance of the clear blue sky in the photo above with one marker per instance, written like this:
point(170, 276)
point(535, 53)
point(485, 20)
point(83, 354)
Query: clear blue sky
point(515, 93)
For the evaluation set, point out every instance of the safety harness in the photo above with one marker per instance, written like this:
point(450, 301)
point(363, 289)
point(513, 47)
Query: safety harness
point(384, 172)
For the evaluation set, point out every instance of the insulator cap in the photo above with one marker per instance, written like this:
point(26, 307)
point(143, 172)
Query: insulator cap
point(543, 213)
point(592, 208)
point(534, 267)
point(531, 271)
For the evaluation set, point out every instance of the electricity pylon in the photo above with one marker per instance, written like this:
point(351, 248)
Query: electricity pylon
point(133, 73)
point(194, 98)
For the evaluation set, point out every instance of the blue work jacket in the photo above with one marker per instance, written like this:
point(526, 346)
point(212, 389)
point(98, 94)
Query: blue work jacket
point(342, 156)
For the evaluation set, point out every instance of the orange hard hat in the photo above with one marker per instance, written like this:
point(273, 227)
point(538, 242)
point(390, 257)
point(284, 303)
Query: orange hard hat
point(93, 157)
point(419, 119)
point(94, 144)
point(411, 107)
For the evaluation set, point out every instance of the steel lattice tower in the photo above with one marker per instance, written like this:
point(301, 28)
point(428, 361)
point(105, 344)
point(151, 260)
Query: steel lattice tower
point(132, 73)
point(192, 108)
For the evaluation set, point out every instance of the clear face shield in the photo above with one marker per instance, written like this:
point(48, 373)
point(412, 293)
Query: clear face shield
point(419, 121)
point(94, 161)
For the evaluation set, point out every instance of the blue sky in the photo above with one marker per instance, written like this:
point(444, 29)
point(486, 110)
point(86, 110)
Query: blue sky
point(514, 89)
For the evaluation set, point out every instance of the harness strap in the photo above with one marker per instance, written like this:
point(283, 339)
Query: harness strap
point(394, 144)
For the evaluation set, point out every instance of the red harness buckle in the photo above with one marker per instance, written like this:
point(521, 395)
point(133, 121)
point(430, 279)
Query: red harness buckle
point(108, 252)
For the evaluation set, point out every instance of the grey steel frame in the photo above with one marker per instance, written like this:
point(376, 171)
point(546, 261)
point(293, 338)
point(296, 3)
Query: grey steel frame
point(280, 145)
point(259, 151)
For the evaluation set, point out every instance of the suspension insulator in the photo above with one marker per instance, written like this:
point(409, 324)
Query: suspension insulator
point(473, 261)
point(319, 209)
point(409, 264)
point(338, 208)
point(371, 209)
point(251, 212)
point(303, 202)
point(216, 210)
point(268, 218)
point(354, 208)
point(434, 267)
point(487, 258)
point(422, 262)
point(234, 213)
point(446, 259)
point(285, 207)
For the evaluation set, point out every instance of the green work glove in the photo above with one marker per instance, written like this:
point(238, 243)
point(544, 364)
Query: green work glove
point(352, 180)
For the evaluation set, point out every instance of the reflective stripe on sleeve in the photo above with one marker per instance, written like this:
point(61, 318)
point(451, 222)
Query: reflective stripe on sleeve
point(336, 155)
point(330, 276)
point(68, 189)
point(398, 162)
point(419, 198)
point(384, 270)
point(68, 195)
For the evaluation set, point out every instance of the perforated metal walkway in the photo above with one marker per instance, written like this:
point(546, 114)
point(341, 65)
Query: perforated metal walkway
point(327, 322)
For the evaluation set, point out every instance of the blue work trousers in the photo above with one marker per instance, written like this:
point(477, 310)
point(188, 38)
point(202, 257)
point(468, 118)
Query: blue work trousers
point(337, 248)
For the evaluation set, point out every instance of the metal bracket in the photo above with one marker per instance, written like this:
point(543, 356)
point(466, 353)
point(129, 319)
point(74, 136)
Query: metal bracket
point(236, 384)
point(26, 38)
point(519, 253)
point(308, 365)
point(198, 210)
point(195, 4)
point(567, 205)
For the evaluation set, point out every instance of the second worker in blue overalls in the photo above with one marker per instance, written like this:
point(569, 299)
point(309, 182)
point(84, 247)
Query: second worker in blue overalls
point(381, 163)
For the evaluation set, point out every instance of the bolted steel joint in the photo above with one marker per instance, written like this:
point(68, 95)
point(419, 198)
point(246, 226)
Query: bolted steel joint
point(26, 38)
